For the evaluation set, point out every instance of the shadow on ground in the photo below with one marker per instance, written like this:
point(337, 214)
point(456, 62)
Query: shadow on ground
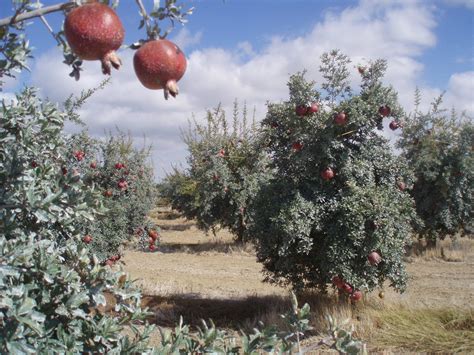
point(229, 313)
point(215, 247)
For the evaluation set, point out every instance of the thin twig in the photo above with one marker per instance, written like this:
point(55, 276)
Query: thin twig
point(58, 39)
point(144, 15)
point(35, 13)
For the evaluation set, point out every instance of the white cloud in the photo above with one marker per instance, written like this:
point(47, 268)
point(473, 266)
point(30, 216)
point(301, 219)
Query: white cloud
point(185, 39)
point(397, 31)
point(460, 93)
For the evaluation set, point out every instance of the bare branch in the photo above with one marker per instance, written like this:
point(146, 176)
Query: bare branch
point(35, 13)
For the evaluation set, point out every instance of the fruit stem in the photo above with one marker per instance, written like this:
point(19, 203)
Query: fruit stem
point(109, 60)
point(171, 88)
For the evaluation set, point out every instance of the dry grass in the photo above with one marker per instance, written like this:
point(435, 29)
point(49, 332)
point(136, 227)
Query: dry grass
point(203, 276)
point(432, 330)
point(449, 249)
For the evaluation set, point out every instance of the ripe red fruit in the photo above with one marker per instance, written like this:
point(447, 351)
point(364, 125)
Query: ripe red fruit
point(79, 155)
point(327, 174)
point(356, 296)
point(394, 125)
point(374, 258)
point(337, 281)
point(94, 32)
point(107, 193)
point(361, 70)
point(340, 119)
point(87, 239)
point(109, 262)
point(122, 184)
point(34, 164)
point(346, 288)
point(301, 110)
point(151, 247)
point(297, 146)
point(159, 64)
point(221, 153)
point(314, 108)
point(384, 110)
point(64, 170)
point(401, 185)
point(119, 166)
point(153, 234)
point(93, 165)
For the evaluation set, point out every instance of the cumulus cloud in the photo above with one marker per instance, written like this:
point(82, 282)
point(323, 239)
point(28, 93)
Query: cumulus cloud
point(460, 93)
point(397, 31)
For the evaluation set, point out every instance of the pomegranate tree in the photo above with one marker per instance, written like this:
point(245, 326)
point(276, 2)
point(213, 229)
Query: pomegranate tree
point(95, 32)
point(329, 215)
point(159, 64)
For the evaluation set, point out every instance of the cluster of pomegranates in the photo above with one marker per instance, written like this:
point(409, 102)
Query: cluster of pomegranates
point(95, 32)
point(374, 259)
point(153, 236)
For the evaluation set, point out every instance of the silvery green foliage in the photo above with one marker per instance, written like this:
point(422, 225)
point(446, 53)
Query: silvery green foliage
point(264, 339)
point(308, 230)
point(51, 287)
point(438, 146)
point(226, 171)
point(127, 208)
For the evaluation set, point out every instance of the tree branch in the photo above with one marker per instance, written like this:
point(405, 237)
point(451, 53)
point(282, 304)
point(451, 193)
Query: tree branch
point(36, 13)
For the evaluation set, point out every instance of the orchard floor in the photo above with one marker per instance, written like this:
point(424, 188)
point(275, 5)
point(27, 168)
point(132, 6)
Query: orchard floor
point(199, 276)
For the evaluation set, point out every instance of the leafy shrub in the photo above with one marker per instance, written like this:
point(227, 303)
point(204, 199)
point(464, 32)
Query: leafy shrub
point(226, 170)
point(124, 176)
point(51, 287)
point(439, 149)
point(311, 226)
point(210, 339)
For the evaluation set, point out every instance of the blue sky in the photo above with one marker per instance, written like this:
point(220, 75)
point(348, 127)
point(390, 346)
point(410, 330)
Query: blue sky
point(246, 49)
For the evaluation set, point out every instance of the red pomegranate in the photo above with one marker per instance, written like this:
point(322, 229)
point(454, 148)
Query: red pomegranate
point(153, 234)
point(301, 110)
point(401, 185)
point(356, 296)
point(122, 185)
point(337, 281)
point(79, 155)
point(159, 64)
point(93, 165)
point(394, 125)
point(95, 32)
point(107, 193)
point(119, 166)
point(221, 153)
point(151, 247)
point(314, 108)
point(327, 174)
point(87, 239)
point(374, 258)
point(297, 146)
point(340, 119)
point(384, 110)
point(346, 288)
point(34, 164)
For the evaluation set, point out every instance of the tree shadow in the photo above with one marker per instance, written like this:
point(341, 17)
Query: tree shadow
point(176, 227)
point(233, 314)
point(213, 246)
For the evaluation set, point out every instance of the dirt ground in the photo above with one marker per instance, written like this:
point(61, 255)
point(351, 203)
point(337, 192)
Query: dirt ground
point(201, 276)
